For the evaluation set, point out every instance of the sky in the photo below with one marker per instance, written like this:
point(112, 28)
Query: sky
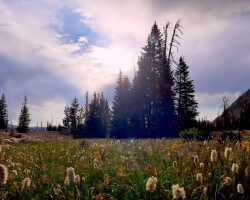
point(53, 50)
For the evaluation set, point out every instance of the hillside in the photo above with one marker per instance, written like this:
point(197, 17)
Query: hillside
point(235, 109)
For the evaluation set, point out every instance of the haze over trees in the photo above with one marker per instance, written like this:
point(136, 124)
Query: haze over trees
point(156, 103)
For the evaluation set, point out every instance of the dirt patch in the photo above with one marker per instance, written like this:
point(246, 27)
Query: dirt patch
point(13, 138)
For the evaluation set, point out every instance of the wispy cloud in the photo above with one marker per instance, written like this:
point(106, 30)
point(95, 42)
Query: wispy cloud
point(52, 50)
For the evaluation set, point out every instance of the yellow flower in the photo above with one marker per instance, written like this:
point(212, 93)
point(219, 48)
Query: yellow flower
point(246, 145)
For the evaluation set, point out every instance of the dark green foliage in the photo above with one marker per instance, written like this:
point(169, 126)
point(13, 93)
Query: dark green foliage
point(73, 117)
point(186, 103)
point(152, 105)
point(121, 109)
point(195, 133)
point(230, 136)
point(244, 121)
point(97, 120)
point(3, 113)
point(24, 118)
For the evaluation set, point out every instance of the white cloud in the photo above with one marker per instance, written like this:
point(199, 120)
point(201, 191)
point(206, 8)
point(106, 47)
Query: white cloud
point(27, 36)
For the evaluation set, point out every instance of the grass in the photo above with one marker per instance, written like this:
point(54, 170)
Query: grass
point(119, 169)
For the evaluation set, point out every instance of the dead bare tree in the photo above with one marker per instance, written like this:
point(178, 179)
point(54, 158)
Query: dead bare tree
point(174, 41)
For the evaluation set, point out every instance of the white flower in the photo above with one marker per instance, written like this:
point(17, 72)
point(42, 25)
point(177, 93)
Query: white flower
point(14, 172)
point(213, 156)
point(202, 165)
point(235, 168)
point(71, 175)
point(228, 181)
point(227, 152)
point(178, 193)
point(3, 174)
point(77, 179)
point(196, 160)
point(151, 183)
point(199, 178)
point(240, 189)
point(174, 164)
point(26, 182)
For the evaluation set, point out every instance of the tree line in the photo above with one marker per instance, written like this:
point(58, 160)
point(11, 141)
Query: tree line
point(159, 102)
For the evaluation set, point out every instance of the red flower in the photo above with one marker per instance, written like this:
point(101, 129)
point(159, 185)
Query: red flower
point(149, 166)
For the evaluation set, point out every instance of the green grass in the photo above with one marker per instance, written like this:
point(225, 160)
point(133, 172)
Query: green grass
point(112, 169)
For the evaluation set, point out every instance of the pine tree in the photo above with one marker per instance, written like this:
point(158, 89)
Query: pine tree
point(97, 120)
point(93, 121)
point(66, 119)
point(3, 113)
point(74, 116)
point(24, 118)
point(153, 106)
point(166, 107)
point(120, 108)
point(186, 103)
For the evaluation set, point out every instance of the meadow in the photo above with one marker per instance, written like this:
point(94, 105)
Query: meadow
point(125, 169)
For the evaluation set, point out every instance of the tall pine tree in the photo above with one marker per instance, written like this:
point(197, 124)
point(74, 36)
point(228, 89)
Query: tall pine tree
point(120, 108)
point(3, 113)
point(24, 118)
point(186, 103)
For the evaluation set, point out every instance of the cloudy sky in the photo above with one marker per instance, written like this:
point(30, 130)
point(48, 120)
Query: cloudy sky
point(52, 50)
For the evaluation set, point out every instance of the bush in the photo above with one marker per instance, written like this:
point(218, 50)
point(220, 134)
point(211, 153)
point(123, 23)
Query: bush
point(194, 133)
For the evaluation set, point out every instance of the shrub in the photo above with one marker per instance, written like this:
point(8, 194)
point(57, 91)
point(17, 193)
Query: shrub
point(194, 133)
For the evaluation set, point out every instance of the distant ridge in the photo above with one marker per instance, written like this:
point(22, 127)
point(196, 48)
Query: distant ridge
point(235, 109)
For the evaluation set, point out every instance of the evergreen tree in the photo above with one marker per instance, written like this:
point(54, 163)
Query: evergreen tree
point(93, 121)
point(74, 117)
point(24, 118)
point(66, 119)
point(153, 107)
point(166, 107)
point(186, 103)
point(120, 108)
point(3, 113)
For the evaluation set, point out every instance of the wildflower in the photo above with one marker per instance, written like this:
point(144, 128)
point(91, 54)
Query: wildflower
point(240, 189)
point(106, 179)
point(148, 167)
point(71, 175)
point(178, 192)
point(199, 178)
point(14, 184)
point(235, 168)
point(14, 172)
point(26, 171)
point(187, 169)
point(227, 152)
point(196, 160)
point(3, 174)
point(26, 182)
point(174, 164)
point(77, 179)
point(213, 156)
point(202, 165)
point(205, 190)
point(82, 158)
point(100, 197)
point(228, 181)
point(66, 181)
point(151, 184)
